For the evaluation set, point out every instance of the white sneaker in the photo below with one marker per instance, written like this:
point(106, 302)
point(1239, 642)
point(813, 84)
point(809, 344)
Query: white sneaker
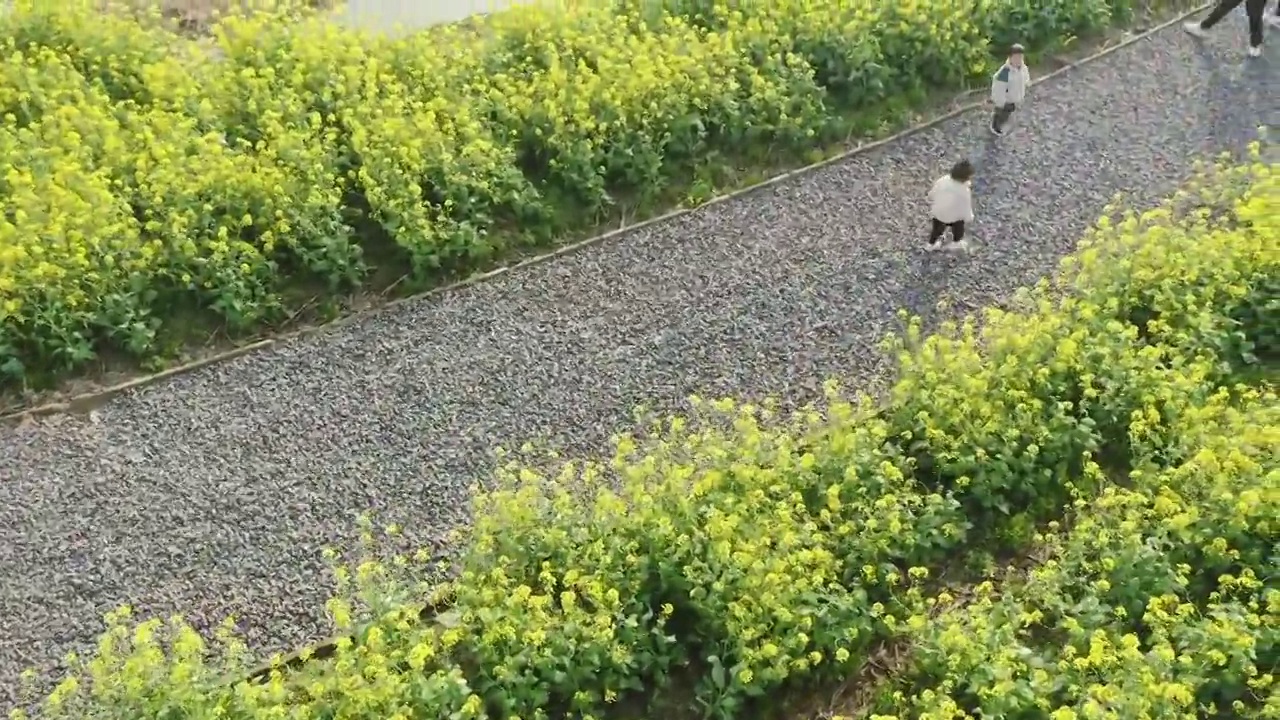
point(1255, 51)
point(1193, 28)
point(958, 246)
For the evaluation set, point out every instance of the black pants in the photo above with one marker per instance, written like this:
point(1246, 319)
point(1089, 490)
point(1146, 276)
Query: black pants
point(1002, 115)
point(1253, 8)
point(939, 227)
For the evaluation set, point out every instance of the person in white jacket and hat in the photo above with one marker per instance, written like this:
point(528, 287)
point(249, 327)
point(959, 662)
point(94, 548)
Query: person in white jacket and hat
point(951, 205)
point(1009, 88)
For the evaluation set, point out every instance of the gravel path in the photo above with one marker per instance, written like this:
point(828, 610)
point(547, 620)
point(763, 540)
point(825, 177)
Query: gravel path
point(216, 491)
point(397, 14)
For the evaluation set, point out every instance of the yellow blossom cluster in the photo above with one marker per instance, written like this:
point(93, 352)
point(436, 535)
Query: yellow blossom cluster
point(1159, 600)
point(1118, 423)
point(152, 179)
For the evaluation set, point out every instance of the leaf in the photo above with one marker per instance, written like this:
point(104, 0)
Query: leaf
point(13, 368)
point(717, 672)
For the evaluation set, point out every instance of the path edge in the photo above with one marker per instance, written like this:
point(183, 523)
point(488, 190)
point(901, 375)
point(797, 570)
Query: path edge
point(95, 398)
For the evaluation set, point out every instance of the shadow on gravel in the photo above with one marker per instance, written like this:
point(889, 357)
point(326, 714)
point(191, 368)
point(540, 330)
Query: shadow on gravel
point(1240, 88)
point(988, 160)
point(929, 295)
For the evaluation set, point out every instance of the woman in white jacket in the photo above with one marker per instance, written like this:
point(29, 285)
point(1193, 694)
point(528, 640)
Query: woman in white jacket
point(951, 204)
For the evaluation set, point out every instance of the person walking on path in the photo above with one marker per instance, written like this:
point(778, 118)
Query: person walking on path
point(951, 205)
point(1255, 9)
point(1008, 88)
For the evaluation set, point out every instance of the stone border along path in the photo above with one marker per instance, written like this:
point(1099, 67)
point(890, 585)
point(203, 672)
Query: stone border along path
point(215, 492)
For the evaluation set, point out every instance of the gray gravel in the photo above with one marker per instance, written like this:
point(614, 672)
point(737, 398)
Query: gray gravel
point(215, 492)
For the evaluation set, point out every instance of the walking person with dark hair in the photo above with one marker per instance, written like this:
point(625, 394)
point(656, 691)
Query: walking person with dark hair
point(1009, 88)
point(951, 205)
point(1255, 9)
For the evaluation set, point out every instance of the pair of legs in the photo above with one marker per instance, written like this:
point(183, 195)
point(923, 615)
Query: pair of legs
point(940, 228)
point(1001, 117)
point(1255, 9)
